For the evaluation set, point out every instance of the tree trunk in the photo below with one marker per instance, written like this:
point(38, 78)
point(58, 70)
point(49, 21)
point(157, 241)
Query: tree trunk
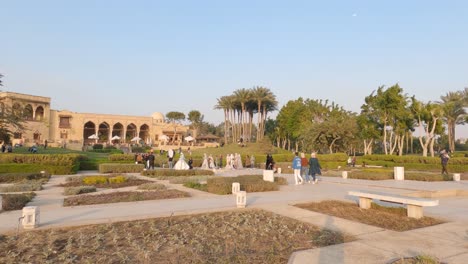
point(385, 137)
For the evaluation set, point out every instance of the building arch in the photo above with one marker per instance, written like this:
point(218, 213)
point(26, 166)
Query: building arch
point(28, 112)
point(16, 108)
point(39, 116)
point(131, 132)
point(89, 129)
point(144, 133)
point(118, 130)
point(104, 131)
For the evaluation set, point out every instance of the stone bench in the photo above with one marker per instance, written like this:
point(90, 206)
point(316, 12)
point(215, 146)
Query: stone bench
point(414, 205)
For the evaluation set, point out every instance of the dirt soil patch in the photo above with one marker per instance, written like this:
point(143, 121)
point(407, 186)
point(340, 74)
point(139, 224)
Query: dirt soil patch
point(243, 236)
point(118, 197)
point(393, 218)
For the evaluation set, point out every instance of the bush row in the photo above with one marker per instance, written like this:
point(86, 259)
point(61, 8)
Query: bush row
point(16, 201)
point(248, 183)
point(19, 177)
point(376, 174)
point(120, 168)
point(35, 168)
point(42, 159)
point(172, 172)
point(412, 159)
point(22, 187)
point(79, 190)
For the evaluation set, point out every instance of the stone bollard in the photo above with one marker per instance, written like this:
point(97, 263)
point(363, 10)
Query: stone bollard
point(1, 203)
point(399, 173)
point(279, 170)
point(344, 174)
point(456, 176)
point(235, 187)
point(30, 217)
point(241, 199)
point(268, 175)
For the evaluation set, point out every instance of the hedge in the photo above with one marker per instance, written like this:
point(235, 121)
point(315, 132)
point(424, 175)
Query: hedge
point(35, 168)
point(248, 183)
point(19, 177)
point(411, 159)
point(42, 159)
point(79, 190)
point(120, 168)
point(172, 172)
point(16, 201)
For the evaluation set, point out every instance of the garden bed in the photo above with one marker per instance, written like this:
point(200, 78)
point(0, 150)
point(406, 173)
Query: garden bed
point(245, 236)
point(393, 218)
point(119, 197)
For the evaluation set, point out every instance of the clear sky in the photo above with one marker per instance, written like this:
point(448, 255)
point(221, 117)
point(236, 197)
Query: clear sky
point(138, 57)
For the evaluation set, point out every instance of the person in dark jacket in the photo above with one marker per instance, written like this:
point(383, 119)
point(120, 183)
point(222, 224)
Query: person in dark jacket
point(314, 167)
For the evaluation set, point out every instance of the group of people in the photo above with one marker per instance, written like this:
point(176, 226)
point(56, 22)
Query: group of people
point(234, 161)
point(303, 168)
point(209, 162)
point(146, 158)
point(7, 148)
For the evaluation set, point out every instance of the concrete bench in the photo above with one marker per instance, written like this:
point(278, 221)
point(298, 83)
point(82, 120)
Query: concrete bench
point(414, 205)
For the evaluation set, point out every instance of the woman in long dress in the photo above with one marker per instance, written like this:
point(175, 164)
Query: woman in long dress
point(205, 164)
point(181, 164)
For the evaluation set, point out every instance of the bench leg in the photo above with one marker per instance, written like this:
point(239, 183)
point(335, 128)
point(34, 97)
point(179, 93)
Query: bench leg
point(414, 211)
point(365, 203)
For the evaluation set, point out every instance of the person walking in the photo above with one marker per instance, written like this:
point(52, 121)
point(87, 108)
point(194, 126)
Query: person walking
point(151, 158)
point(305, 168)
point(170, 156)
point(296, 165)
point(444, 158)
point(314, 167)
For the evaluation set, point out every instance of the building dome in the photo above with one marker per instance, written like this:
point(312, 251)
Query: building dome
point(158, 116)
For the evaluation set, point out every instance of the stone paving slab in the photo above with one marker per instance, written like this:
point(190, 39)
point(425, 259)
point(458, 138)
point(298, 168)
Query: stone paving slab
point(348, 253)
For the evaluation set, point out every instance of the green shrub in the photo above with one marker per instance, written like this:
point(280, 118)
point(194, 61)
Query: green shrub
point(172, 172)
point(120, 168)
point(152, 186)
point(249, 183)
point(418, 176)
point(93, 180)
point(281, 181)
point(42, 159)
point(122, 157)
point(117, 179)
point(371, 175)
point(16, 201)
point(79, 190)
point(197, 186)
point(183, 180)
point(35, 168)
point(98, 146)
point(19, 177)
point(23, 187)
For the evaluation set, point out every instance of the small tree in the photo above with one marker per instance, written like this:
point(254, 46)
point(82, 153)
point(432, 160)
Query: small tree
point(175, 117)
point(196, 118)
point(10, 121)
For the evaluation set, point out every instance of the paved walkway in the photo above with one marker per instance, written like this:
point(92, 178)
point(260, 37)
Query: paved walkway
point(448, 242)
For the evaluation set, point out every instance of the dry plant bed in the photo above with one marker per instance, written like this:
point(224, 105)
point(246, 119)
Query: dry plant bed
point(130, 182)
point(119, 197)
point(245, 236)
point(421, 259)
point(386, 217)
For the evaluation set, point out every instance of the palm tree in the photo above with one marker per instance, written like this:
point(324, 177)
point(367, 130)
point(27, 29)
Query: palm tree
point(269, 104)
point(223, 103)
point(453, 105)
point(243, 96)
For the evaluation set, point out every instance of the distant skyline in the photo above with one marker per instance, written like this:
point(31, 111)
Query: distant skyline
point(140, 57)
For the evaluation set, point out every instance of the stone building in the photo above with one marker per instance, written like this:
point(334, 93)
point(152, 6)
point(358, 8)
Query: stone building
point(63, 127)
